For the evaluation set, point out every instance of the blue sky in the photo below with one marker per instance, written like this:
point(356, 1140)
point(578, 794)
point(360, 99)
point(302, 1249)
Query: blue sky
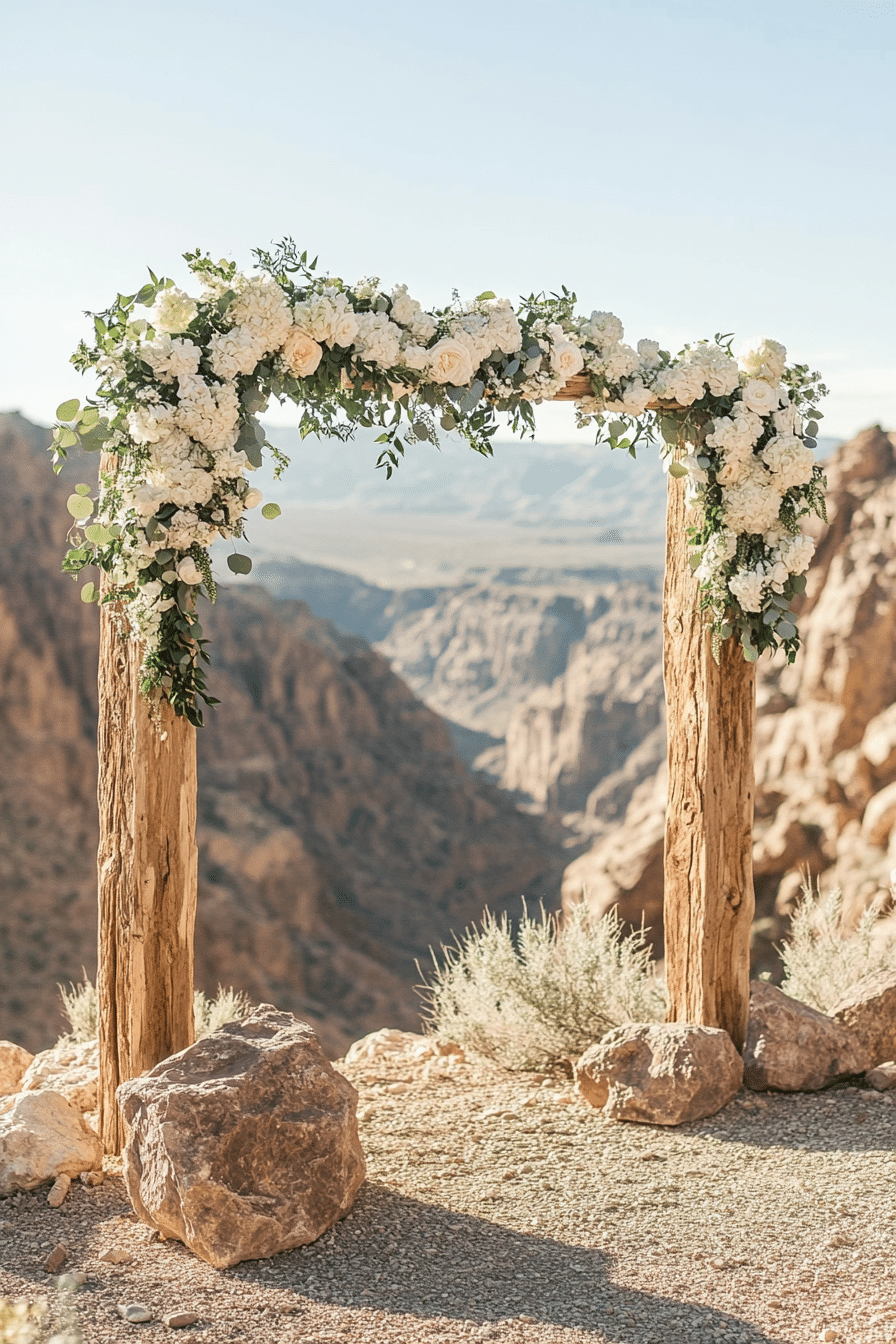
point(693, 167)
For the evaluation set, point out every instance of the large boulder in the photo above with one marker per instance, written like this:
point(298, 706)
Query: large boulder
point(791, 1047)
point(868, 1012)
point(244, 1144)
point(660, 1073)
point(69, 1067)
point(43, 1136)
point(13, 1063)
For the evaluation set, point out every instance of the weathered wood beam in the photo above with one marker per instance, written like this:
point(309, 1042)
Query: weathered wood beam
point(708, 889)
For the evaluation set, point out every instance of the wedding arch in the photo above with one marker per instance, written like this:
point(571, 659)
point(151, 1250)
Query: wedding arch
point(175, 418)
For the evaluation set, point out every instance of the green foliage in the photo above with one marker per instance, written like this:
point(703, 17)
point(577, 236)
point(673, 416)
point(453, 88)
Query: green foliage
point(823, 958)
point(538, 993)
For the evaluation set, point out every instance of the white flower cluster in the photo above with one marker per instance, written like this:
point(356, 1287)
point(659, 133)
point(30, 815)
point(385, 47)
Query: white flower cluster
point(182, 482)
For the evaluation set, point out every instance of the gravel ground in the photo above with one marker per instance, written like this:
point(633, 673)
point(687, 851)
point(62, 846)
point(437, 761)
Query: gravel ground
point(495, 1209)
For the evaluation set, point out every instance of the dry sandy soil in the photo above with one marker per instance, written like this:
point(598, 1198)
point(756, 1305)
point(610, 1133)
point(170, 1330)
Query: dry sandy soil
point(495, 1209)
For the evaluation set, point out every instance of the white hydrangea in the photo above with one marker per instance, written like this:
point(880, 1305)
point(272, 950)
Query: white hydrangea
point(749, 587)
point(169, 358)
point(736, 434)
point(328, 318)
point(504, 327)
point(615, 363)
point(235, 352)
point(408, 312)
point(173, 311)
point(720, 372)
point(649, 355)
point(788, 421)
point(796, 553)
point(789, 460)
point(683, 383)
point(260, 308)
point(149, 424)
point(378, 340)
point(765, 359)
point(602, 329)
point(718, 551)
point(414, 356)
point(208, 412)
point(752, 504)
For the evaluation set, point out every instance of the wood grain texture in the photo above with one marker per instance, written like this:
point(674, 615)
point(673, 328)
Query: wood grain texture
point(147, 869)
point(708, 889)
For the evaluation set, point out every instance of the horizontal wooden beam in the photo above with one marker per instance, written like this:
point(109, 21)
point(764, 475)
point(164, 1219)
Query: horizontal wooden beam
point(580, 386)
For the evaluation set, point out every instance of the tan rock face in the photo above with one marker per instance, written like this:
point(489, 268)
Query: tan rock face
point(43, 1136)
point(339, 835)
point(244, 1144)
point(868, 1012)
point(791, 1047)
point(13, 1063)
point(661, 1073)
point(826, 726)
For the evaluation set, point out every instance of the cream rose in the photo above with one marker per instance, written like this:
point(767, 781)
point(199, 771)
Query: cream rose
point(760, 396)
point(450, 361)
point(301, 352)
point(566, 359)
point(252, 498)
point(188, 571)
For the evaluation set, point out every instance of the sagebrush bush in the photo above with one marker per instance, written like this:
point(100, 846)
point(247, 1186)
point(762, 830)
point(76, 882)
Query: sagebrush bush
point(79, 1004)
point(822, 958)
point(537, 993)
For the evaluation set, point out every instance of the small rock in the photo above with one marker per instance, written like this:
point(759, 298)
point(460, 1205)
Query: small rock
point(791, 1047)
point(69, 1282)
point(829, 1335)
point(134, 1312)
point(14, 1060)
point(116, 1255)
point(42, 1137)
point(883, 1077)
point(176, 1320)
point(869, 1012)
point(388, 1043)
point(55, 1259)
point(660, 1073)
point(58, 1191)
point(92, 1178)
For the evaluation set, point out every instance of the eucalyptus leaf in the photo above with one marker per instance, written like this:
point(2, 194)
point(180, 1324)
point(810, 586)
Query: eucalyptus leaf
point(750, 653)
point(82, 489)
point(67, 439)
point(616, 429)
point(88, 593)
point(270, 511)
point(67, 410)
point(98, 534)
point(447, 422)
point(786, 630)
point(239, 564)
point(811, 429)
point(89, 416)
point(677, 470)
point(79, 507)
point(486, 294)
point(421, 431)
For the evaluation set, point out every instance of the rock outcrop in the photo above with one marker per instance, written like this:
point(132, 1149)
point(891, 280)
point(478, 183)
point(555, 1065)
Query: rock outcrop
point(69, 1068)
point(660, 1073)
point(825, 733)
point(43, 1136)
point(244, 1144)
point(868, 1013)
point(339, 834)
point(13, 1063)
point(791, 1047)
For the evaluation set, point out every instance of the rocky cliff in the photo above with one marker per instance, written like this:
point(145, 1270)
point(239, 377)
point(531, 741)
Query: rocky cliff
point(826, 728)
point(339, 834)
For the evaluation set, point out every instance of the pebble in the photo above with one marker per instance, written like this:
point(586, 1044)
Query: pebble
point(116, 1255)
point(92, 1178)
point(176, 1320)
point(55, 1259)
point(829, 1335)
point(58, 1191)
point(134, 1312)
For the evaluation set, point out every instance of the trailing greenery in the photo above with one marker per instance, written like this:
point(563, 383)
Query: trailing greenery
point(823, 958)
point(536, 993)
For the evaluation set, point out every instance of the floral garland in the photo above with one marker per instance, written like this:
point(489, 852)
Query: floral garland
point(180, 391)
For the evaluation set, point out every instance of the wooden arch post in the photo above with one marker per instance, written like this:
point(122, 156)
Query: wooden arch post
point(708, 869)
point(147, 869)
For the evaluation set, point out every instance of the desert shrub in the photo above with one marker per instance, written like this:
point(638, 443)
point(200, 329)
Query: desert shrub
point(228, 1005)
point(80, 1007)
point(822, 958)
point(23, 1321)
point(537, 994)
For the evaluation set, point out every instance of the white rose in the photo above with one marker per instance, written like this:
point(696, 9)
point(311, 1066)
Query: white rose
point(748, 586)
point(344, 328)
point(450, 361)
point(760, 396)
point(173, 311)
point(603, 329)
point(188, 571)
point(252, 498)
point(566, 359)
point(301, 352)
